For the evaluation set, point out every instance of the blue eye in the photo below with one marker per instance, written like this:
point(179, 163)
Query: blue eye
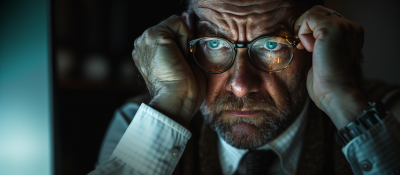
point(213, 44)
point(271, 45)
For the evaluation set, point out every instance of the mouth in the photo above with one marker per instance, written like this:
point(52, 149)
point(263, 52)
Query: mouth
point(242, 113)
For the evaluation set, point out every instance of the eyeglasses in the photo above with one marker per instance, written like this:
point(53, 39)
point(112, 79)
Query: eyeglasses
point(268, 53)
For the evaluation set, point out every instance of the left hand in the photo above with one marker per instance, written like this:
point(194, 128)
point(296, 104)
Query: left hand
point(336, 44)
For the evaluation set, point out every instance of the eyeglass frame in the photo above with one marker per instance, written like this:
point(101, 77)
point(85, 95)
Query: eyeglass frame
point(294, 42)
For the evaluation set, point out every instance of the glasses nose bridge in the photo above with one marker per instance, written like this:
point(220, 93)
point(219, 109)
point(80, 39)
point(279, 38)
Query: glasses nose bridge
point(241, 46)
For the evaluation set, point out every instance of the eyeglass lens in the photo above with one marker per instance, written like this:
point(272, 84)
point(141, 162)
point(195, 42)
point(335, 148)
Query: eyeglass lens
point(270, 53)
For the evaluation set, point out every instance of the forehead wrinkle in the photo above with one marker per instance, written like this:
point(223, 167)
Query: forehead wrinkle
point(208, 28)
point(245, 2)
point(249, 3)
point(268, 24)
point(233, 29)
point(240, 10)
point(253, 25)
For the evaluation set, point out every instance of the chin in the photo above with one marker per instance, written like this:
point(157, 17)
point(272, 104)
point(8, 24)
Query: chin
point(245, 136)
point(248, 133)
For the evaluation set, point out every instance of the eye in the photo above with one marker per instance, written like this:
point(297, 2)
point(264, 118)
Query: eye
point(273, 45)
point(214, 44)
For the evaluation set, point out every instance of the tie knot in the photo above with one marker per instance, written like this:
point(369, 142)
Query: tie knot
point(258, 162)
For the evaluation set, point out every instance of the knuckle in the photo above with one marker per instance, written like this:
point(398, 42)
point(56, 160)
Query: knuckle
point(148, 32)
point(146, 38)
point(171, 20)
point(319, 8)
point(323, 32)
point(165, 41)
point(134, 56)
point(174, 18)
point(311, 15)
point(359, 28)
point(308, 15)
point(136, 42)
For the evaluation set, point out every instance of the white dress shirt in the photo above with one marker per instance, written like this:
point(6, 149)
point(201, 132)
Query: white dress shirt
point(152, 144)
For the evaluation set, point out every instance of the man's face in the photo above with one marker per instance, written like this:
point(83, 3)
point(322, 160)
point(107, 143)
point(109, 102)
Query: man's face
point(247, 107)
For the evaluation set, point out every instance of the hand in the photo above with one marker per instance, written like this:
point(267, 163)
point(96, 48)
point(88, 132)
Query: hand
point(336, 45)
point(177, 89)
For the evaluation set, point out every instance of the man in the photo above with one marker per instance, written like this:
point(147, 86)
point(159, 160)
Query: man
point(230, 61)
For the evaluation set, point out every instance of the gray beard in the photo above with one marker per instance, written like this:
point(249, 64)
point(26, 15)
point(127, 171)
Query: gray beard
point(272, 123)
point(268, 129)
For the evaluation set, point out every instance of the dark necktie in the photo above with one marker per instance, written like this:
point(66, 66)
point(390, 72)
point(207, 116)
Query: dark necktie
point(258, 162)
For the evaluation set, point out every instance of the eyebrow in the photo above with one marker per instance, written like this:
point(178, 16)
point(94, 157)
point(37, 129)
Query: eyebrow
point(208, 30)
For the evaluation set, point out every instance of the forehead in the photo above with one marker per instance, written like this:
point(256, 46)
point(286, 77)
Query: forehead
point(244, 20)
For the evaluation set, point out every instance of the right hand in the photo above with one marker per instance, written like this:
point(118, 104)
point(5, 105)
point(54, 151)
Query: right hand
point(177, 88)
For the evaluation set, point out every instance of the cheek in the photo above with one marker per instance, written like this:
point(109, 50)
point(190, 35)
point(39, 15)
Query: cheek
point(275, 86)
point(297, 69)
point(279, 85)
point(215, 85)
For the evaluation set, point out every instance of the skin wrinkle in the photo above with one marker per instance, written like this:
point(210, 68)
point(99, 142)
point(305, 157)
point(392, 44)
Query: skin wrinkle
point(245, 2)
point(234, 25)
point(247, 9)
point(206, 29)
point(280, 96)
point(261, 24)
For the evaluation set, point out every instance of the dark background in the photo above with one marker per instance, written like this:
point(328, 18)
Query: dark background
point(92, 41)
point(94, 74)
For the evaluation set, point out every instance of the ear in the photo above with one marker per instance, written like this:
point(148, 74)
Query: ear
point(188, 17)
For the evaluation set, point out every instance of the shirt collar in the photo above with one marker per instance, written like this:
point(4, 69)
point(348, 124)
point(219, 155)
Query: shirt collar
point(287, 146)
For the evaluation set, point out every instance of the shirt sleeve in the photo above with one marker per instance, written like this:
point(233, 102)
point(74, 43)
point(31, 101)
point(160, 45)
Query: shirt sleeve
point(152, 144)
point(376, 151)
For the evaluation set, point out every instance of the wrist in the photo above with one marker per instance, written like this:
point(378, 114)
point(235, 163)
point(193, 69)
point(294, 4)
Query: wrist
point(345, 107)
point(375, 113)
point(174, 107)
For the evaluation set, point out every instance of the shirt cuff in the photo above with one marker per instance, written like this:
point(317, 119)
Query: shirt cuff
point(153, 143)
point(376, 151)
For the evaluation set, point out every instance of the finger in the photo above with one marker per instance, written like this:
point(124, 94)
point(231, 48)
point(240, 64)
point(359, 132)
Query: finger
point(134, 57)
point(300, 46)
point(304, 33)
point(175, 28)
point(298, 24)
point(305, 26)
point(136, 41)
point(314, 24)
point(300, 20)
point(307, 41)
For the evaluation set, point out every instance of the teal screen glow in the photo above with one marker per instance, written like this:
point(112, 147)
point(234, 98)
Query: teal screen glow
point(25, 113)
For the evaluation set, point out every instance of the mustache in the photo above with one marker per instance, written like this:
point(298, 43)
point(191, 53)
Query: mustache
point(251, 101)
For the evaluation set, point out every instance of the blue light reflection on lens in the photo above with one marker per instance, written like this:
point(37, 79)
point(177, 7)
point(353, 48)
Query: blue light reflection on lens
point(25, 125)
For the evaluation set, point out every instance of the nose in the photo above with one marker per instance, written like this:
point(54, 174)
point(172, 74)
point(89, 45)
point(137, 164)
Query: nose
point(244, 77)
